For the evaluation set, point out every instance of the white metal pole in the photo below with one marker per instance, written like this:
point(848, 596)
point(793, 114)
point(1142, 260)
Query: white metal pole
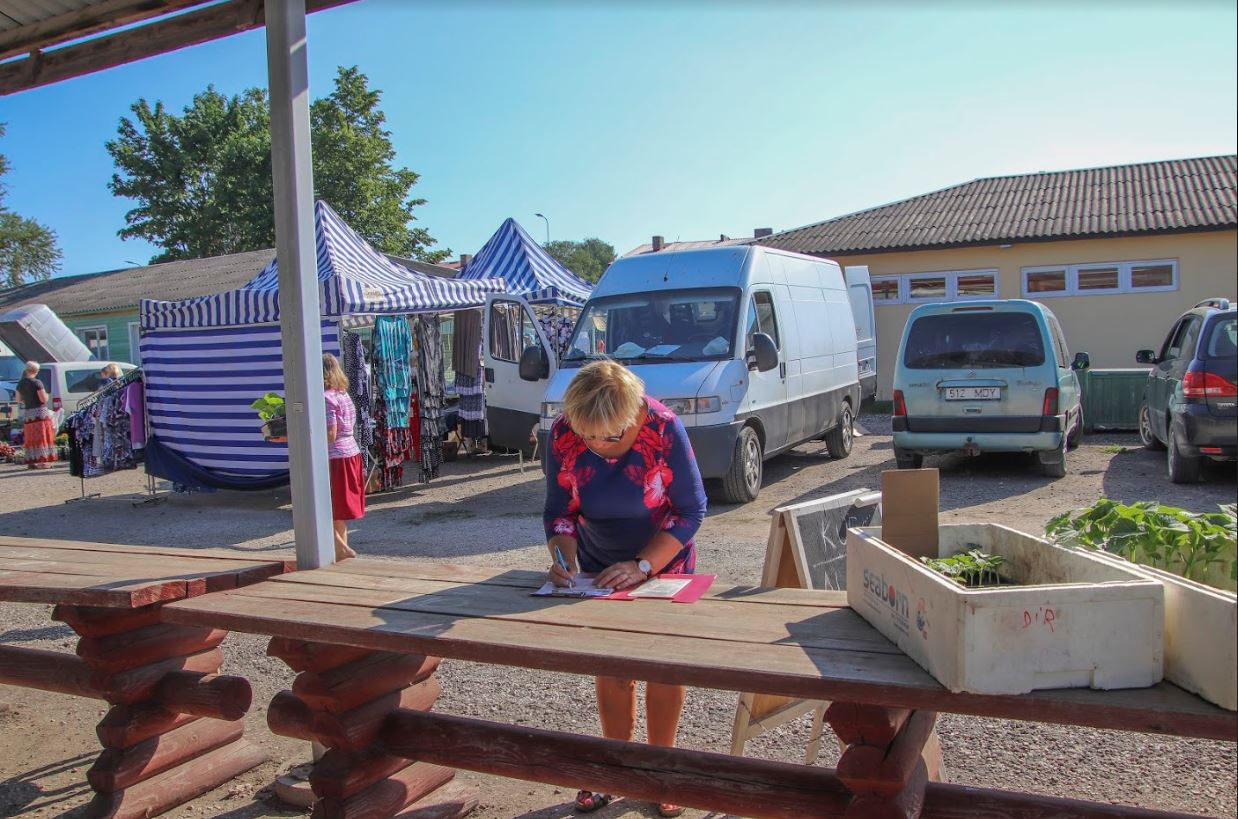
point(300, 323)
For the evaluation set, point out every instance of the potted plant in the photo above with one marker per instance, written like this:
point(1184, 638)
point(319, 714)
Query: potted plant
point(273, 413)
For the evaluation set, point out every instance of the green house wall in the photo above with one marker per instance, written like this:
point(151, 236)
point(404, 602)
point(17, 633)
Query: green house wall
point(117, 324)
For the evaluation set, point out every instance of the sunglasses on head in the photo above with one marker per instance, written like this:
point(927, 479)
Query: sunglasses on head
point(610, 439)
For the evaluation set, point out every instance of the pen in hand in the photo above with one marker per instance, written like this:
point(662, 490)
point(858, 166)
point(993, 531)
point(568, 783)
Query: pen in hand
point(563, 565)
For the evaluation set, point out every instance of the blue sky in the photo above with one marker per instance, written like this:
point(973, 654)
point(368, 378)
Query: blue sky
point(622, 120)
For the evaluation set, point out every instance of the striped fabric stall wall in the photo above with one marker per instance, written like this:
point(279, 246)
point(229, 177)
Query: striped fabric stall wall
point(200, 383)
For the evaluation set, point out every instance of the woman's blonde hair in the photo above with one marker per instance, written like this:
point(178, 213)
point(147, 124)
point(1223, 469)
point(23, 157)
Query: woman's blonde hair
point(603, 397)
point(333, 377)
point(32, 367)
point(112, 370)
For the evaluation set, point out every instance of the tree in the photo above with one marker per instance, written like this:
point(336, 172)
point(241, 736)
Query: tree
point(28, 249)
point(588, 258)
point(202, 180)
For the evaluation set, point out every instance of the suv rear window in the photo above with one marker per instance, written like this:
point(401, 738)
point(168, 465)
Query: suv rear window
point(978, 340)
point(1223, 339)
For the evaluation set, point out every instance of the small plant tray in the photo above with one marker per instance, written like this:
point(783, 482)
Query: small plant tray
point(1072, 621)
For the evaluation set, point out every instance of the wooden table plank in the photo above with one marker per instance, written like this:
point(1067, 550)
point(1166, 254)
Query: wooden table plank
point(708, 619)
point(113, 576)
point(787, 670)
point(446, 572)
point(169, 551)
point(85, 590)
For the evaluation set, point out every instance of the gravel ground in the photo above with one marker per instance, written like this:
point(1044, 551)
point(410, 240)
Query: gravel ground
point(485, 510)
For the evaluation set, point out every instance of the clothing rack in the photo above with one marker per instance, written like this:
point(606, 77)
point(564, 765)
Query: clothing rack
point(152, 496)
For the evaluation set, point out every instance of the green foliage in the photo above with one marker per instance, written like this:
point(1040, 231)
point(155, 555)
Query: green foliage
point(202, 180)
point(28, 250)
point(270, 406)
point(972, 568)
point(588, 258)
point(1200, 547)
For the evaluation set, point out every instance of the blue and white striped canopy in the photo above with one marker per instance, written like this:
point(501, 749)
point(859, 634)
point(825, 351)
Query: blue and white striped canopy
point(354, 279)
point(526, 268)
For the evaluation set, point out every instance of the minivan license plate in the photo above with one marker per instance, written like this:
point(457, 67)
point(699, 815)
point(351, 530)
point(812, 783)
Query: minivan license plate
point(973, 393)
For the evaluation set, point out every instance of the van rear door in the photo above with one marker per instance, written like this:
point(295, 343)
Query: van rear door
point(860, 294)
point(513, 406)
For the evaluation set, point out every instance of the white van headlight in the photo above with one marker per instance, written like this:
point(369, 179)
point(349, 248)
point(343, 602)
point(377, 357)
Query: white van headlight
point(552, 409)
point(693, 406)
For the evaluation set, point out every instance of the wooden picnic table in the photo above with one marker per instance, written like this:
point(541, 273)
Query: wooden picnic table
point(365, 637)
point(174, 728)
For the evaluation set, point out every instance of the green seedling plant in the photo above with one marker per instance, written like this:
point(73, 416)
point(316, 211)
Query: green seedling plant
point(972, 568)
point(270, 406)
point(1199, 547)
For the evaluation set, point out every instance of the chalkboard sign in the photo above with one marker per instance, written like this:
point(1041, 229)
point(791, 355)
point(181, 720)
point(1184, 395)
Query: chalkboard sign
point(807, 549)
point(818, 531)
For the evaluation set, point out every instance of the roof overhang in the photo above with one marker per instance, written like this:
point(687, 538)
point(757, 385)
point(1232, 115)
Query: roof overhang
point(41, 43)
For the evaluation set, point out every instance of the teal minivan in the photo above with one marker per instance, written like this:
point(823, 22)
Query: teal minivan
point(986, 376)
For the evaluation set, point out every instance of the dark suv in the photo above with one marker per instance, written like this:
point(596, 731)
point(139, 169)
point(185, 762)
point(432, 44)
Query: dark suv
point(1189, 402)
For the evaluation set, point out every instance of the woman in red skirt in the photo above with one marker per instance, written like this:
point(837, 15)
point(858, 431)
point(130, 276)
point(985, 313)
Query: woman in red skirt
point(347, 480)
point(38, 429)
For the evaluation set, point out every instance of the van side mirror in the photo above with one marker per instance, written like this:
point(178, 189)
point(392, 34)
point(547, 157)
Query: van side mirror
point(1081, 362)
point(534, 364)
point(1145, 357)
point(763, 356)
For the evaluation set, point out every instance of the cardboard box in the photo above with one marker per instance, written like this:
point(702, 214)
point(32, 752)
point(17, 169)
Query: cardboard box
point(1076, 620)
point(909, 503)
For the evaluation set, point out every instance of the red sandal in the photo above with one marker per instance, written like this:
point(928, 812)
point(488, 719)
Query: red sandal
point(669, 810)
point(588, 801)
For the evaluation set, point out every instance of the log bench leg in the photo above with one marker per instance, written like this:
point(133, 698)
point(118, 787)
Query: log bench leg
point(174, 730)
point(889, 756)
point(341, 698)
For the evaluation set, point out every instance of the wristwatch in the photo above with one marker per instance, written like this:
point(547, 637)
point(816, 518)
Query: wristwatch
point(645, 567)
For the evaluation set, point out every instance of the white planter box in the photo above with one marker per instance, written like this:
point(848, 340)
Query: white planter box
point(1076, 620)
point(1201, 635)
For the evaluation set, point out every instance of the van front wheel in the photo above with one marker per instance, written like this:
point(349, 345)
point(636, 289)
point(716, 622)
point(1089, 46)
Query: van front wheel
point(840, 439)
point(742, 481)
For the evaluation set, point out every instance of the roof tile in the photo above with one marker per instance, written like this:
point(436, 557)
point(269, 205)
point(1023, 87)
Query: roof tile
point(1174, 195)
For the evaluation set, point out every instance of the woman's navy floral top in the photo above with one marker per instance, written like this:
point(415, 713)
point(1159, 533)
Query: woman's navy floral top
point(614, 507)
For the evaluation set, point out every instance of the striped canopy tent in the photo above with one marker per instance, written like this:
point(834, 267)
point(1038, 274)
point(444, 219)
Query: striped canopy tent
point(207, 359)
point(353, 279)
point(526, 269)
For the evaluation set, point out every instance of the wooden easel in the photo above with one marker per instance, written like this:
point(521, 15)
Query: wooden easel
point(787, 566)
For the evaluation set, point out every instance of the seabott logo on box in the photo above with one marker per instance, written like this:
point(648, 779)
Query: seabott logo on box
point(895, 601)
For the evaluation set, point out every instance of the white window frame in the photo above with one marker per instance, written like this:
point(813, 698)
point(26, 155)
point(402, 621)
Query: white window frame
point(1124, 278)
point(952, 286)
point(81, 332)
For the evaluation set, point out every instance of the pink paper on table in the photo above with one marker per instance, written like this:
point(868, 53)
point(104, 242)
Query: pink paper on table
point(698, 584)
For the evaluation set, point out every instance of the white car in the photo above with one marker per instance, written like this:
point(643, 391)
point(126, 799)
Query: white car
point(69, 382)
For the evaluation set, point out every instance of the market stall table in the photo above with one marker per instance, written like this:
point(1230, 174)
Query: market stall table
point(174, 728)
point(365, 637)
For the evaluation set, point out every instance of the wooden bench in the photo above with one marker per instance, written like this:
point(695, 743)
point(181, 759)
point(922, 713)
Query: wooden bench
point(174, 728)
point(365, 637)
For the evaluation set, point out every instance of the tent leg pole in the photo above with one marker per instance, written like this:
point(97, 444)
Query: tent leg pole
point(300, 314)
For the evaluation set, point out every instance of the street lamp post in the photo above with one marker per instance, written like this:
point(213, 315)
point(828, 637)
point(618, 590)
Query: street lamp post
point(540, 216)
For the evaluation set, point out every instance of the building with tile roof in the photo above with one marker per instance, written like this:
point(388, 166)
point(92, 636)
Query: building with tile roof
point(1116, 252)
point(102, 308)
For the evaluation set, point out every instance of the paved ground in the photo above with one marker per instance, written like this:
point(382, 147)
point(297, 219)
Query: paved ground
point(486, 511)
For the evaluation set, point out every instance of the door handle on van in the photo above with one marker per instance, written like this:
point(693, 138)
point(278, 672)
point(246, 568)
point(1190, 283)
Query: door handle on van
point(782, 369)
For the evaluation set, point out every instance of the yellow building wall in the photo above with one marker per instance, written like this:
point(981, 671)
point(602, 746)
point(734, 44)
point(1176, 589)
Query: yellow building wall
point(1110, 328)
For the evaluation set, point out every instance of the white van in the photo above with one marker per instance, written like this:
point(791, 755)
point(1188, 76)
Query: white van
point(69, 382)
point(510, 330)
point(753, 348)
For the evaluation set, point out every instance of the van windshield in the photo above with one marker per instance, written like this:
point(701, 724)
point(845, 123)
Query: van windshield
point(975, 340)
point(669, 325)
